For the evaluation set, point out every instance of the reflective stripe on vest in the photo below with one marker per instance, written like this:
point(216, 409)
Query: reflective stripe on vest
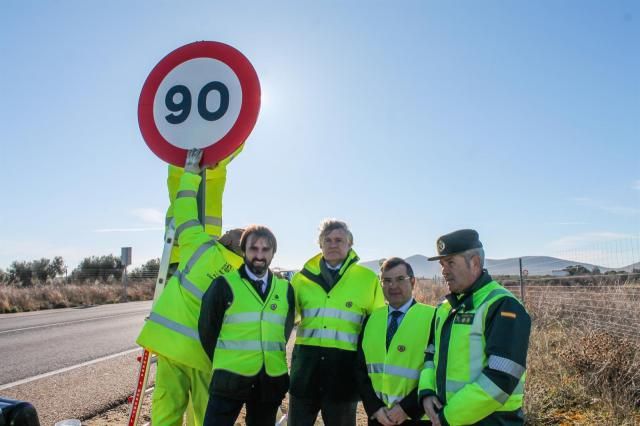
point(389, 400)
point(172, 325)
point(197, 255)
point(334, 313)
point(186, 193)
point(213, 220)
point(506, 365)
point(394, 370)
point(250, 345)
point(254, 317)
point(185, 225)
point(188, 285)
point(342, 336)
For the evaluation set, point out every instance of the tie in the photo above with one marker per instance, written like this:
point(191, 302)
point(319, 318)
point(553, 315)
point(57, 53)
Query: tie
point(258, 286)
point(393, 326)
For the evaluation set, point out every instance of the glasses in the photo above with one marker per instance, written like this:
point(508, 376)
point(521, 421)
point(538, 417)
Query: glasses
point(397, 280)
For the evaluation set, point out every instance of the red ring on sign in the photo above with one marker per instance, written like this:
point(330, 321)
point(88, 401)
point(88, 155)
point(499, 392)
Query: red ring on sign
point(243, 125)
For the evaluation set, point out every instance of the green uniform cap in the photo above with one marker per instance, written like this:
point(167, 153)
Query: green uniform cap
point(457, 242)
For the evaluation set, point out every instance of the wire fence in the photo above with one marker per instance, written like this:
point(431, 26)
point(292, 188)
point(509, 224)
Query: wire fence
point(592, 287)
point(607, 303)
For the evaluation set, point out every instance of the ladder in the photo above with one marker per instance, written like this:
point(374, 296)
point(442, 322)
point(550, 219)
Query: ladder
point(145, 359)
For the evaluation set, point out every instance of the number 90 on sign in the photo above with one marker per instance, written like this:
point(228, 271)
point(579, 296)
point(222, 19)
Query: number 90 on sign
point(184, 106)
point(197, 103)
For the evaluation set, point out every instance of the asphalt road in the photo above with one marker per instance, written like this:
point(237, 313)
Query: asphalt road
point(38, 343)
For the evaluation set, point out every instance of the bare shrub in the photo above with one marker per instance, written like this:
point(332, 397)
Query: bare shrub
point(608, 365)
point(429, 292)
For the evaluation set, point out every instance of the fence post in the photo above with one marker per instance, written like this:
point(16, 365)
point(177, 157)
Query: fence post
point(521, 281)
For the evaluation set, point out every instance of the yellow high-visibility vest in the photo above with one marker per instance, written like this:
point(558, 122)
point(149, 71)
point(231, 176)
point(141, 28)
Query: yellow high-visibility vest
point(334, 319)
point(252, 333)
point(395, 372)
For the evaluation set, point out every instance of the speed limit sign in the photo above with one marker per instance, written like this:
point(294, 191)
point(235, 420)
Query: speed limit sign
point(203, 95)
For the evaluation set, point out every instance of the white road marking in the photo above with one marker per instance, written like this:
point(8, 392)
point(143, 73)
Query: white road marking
point(62, 370)
point(13, 330)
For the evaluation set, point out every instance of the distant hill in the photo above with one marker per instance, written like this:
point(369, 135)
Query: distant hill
point(535, 265)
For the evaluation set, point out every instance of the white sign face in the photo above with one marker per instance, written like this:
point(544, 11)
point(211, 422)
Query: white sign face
point(197, 103)
point(202, 95)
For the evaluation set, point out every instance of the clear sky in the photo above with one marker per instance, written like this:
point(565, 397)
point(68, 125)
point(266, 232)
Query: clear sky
point(407, 119)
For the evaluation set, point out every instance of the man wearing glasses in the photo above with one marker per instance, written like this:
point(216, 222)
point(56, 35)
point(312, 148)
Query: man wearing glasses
point(333, 296)
point(391, 352)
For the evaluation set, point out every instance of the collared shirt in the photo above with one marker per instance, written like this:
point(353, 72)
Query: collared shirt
point(404, 308)
point(334, 268)
point(263, 279)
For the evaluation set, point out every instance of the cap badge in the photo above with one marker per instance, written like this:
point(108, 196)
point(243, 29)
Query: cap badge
point(440, 246)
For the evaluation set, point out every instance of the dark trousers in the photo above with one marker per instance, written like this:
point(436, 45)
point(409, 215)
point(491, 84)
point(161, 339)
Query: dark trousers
point(303, 412)
point(405, 423)
point(223, 411)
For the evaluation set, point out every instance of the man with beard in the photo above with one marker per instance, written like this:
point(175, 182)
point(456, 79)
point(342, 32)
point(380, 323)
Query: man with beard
point(475, 363)
point(246, 319)
point(333, 296)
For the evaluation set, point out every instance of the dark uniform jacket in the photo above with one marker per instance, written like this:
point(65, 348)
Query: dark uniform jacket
point(225, 383)
point(504, 337)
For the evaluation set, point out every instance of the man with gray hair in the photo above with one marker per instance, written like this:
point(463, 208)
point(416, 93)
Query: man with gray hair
point(333, 296)
point(475, 362)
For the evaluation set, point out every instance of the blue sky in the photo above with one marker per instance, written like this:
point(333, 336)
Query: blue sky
point(406, 119)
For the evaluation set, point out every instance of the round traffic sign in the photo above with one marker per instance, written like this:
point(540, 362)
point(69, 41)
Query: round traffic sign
point(202, 95)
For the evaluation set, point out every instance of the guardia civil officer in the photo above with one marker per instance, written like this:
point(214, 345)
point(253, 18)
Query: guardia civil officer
point(171, 331)
point(476, 359)
point(391, 354)
point(246, 319)
point(333, 296)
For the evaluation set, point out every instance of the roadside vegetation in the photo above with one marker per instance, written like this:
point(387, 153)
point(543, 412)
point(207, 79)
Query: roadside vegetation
point(46, 284)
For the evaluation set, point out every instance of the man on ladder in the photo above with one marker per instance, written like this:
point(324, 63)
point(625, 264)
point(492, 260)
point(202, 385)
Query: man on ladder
point(171, 331)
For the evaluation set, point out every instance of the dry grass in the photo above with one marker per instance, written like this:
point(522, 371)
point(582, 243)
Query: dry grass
point(583, 365)
point(59, 295)
point(584, 359)
point(429, 292)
